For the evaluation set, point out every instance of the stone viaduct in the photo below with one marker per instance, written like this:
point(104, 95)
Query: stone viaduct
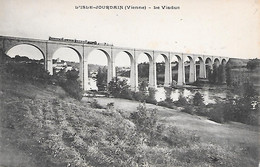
point(48, 48)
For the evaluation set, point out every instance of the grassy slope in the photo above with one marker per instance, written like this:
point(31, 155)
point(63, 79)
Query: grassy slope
point(234, 133)
point(38, 128)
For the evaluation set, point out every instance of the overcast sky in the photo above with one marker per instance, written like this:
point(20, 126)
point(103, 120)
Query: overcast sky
point(215, 27)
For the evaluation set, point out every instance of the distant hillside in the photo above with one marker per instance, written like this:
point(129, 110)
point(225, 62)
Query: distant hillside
point(94, 67)
point(234, 62)
point(91, 67)
point(73, 64)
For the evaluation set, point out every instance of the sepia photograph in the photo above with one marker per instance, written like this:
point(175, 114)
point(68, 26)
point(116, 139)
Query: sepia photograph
point(140, 83)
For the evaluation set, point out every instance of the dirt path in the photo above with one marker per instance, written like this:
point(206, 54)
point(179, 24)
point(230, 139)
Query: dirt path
point(228, 133)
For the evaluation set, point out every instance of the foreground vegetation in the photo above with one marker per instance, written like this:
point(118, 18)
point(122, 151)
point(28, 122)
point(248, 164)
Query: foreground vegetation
point(66, 132)
point(43, 121)
point(244, 108)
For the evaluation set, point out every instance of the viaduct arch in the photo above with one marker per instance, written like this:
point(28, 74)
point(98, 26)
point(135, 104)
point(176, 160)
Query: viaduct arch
point(49, 47)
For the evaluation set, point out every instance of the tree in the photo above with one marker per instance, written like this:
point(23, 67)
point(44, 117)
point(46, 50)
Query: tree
point(60, 77)
point(249, 91)
point(182, 101)
point(143, 69)
point(143, 86)
point(72, 75)
point(221, 74)
point(125, 91)
point(198, 99)
point(72, 86)
point(228, 75)
point(252, 64)
point(101, 79)
point(168, 92)
point(215, 74)
point(211, 77)
point(119, 88)
point(151, 96)
point(21, 58)
point(113, 87)
point(146, 123)
point(160, 69)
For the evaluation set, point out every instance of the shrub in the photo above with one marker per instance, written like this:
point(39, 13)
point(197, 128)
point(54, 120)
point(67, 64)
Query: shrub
point(126, 93)
point(101, 79)
point(146, 123)
point(174, 137)
point(168, 102)
point(113, 87)
point(110, 105)
point(182, 101)
point(119, 88)
point(151, 96)
point(188, 109)
point(73, 88)
point(248, 91)
point(72, 85)
point(143, 86)
point(95, 104)
point(69, 82)
point(217, 114)
point(202, 110)
point(253, 64)
point(241, 110)
point(29, 72)
point(139, 96)
point(198, 99)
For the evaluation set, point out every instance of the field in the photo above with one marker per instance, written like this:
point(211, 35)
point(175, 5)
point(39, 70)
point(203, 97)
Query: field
point(231, 133)
point(42, 126)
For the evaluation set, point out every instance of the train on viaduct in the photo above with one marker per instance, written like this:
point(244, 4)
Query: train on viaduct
point(84, 48)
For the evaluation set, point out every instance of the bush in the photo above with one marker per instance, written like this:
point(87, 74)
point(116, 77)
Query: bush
point(120, 89)
point(202, 110)
point(110, 105)
point(28, 72)
point(114, 87)
point(72, 85)
point(182, 101)
point(168, 102)
point(245, 109)
point(253, 64)
point(143, 86)
point(188, 109)
point(139, 96)
point(126, 93)
point(177, 138)
point(239, 110)
point(249, 91)
point(198, 99)
point(151, 96)
point(101, 79)
point(146, 123)
point(217, 114)
point(95, 104)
